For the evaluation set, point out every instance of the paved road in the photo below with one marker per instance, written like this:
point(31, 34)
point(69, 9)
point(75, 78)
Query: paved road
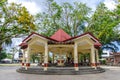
point(9, 73)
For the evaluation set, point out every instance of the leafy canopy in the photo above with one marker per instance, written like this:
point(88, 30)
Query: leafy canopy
point(69, 17)
point(15, 20)
point(77, 18)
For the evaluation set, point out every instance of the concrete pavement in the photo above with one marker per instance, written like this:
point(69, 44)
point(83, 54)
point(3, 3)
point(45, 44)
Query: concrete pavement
point(9, 73)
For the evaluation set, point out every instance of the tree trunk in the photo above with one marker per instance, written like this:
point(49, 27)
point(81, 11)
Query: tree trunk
point(0, 48)
point(13, 57)
point(33, 60)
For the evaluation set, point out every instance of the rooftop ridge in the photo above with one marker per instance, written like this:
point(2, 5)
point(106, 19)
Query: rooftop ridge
point(60, 35)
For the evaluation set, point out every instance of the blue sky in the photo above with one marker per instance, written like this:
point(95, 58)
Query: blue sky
point(35, 6)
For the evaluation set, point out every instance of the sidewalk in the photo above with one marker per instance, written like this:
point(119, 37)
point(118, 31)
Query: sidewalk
point(110, 67)
point(14, 64)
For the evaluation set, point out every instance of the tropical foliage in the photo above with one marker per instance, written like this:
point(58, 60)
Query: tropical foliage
point(105, 26)
point(14, 21)
point(69, 17)
point(2, 55)
point(78, 18)
point(34, 57)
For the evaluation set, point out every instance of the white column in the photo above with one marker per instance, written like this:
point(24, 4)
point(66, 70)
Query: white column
point(23, 59)
point(93, 63)
point(28, 58)
point(46, 58)
point(97, 56)
point(76, 57)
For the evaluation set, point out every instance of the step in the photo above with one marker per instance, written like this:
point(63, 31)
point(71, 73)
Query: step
point(61, 71)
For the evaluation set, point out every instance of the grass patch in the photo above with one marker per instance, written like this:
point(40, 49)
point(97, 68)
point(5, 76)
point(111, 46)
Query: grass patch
point(10, 64)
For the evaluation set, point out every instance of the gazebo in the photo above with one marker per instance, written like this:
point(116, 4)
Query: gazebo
point(60, 43)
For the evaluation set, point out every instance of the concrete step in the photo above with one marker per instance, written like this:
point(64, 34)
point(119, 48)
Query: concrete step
point(59, 71)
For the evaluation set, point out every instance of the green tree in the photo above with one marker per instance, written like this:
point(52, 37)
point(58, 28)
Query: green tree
point(14, 50)
point(103, 25)
point(74, 17)
point(69, 17)
point(48, 21)
point(3, 55)
point(2, 2)
point(15, 20)
point(34, 57)
point(9, 56)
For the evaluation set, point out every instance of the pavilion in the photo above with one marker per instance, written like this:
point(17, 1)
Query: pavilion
point(60, 43)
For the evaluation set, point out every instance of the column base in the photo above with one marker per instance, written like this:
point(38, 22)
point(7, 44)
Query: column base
point(23, 65)
point(94, 65)
point(27, 66)
point(45, 66)
point(76, 67)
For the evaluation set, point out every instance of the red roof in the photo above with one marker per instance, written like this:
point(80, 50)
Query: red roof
point(60, 35)
point(22, 44)
point(81, 36)
point(97, 45)
point(38, 35)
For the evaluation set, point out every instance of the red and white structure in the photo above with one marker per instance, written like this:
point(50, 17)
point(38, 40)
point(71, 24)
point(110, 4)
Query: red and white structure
point(60, 43)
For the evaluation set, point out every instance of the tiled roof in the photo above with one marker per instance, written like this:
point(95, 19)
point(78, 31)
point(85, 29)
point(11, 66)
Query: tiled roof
point(60, 35)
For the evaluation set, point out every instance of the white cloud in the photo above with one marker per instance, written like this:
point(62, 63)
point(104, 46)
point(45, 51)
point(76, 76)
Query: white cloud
point(90, 3)
point(16, 42)
point(30, 5)
point(110, 4)
point(35, 6)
